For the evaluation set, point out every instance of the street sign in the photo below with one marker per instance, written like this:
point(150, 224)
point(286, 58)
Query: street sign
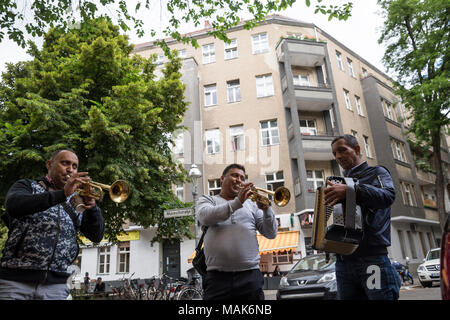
point(181, 212)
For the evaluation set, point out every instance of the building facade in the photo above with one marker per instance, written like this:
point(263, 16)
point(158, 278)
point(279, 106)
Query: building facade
point(273, 99)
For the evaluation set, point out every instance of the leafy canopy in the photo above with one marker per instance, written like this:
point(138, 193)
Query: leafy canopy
point(84, 91)
point(19, 18)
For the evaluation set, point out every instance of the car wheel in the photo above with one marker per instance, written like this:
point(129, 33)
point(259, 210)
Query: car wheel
point(426, 284)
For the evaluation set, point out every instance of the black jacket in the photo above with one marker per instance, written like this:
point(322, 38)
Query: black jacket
point(375, 193)
point(42, 236)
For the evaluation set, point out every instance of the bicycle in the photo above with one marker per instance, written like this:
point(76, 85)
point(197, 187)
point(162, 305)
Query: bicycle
point(192, 290)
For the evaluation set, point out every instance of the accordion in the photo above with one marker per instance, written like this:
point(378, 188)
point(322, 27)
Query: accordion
point(337, 229)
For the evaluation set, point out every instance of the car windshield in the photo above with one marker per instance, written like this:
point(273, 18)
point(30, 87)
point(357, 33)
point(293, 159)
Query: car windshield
point(435, 254)
point(314, 263)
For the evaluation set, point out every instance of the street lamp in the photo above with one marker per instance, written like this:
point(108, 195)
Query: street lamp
point(194, 174)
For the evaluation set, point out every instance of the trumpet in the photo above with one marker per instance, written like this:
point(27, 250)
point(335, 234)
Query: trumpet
point(281, 196)
point(118, 191)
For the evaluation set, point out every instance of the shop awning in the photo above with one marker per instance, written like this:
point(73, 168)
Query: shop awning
point(284, 241)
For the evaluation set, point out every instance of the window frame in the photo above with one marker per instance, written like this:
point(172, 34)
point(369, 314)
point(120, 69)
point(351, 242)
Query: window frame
point(212, 93)
point(269, 129)
point(262, 81)
point(208, 54)
point(231, 47)
point(260, 45)
point(214, 136)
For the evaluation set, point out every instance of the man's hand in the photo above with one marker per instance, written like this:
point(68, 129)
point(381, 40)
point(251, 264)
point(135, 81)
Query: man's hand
point(245, 192)
point(89, 203)
point(74, 182)
point(335, 193)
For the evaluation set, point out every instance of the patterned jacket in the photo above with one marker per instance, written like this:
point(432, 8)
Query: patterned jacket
point(43, 227)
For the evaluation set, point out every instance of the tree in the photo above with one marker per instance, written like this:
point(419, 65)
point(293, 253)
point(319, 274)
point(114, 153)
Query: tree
point(84, 91)
point(417, 36)
point(35, 17)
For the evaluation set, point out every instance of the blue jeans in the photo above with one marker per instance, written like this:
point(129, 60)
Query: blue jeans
point(367, 278)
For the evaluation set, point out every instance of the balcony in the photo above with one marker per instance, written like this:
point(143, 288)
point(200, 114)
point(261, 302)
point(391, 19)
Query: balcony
point(317, 147)
point(311, 98)
point(305, 53)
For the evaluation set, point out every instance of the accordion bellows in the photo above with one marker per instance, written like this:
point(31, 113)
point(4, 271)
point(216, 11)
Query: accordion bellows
point(337, 229)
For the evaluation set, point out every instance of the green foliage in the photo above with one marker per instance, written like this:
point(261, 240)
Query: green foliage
point(84, 91)
point(417, 35)
point(223, 14)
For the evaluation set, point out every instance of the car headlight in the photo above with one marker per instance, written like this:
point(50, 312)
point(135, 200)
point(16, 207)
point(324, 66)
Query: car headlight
point(421, 268)
point(284, 282)
point(328, 277)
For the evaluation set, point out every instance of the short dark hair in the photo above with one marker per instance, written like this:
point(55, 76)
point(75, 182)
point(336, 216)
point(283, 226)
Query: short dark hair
point(56, 152)
point(350, 140)
point(231, 166)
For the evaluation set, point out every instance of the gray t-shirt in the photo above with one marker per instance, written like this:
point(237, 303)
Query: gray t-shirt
point(230, 243)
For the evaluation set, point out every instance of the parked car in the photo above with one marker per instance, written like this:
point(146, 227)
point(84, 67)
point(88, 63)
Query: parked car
point(445, 261)
point(429, 270)
point(310, 278)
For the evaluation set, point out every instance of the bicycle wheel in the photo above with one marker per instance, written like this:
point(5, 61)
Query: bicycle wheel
point(189, 294)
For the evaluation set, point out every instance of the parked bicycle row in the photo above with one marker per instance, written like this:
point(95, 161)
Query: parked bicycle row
point(159, 288)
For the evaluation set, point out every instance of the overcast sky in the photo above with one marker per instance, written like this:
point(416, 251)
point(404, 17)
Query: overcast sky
point(360, 32)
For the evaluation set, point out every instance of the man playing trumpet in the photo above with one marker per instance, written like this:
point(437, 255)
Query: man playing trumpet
point(43, 224)
point(230, 243)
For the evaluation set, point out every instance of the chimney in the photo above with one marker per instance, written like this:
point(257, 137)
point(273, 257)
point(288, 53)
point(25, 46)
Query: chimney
point(207, 24)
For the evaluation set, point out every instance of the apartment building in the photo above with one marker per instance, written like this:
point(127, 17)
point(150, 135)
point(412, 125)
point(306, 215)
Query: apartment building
point(273, 99)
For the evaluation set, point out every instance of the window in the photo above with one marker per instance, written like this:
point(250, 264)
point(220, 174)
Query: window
point(234, 91)
point(209, 54)
point(388, 110)
point(358, 105)
point(177, 146)
point(301, 80)
point(159, 58)
point(282, 257)
point(123, 265)
point(179, 191)
point(413, 246)
point(269, 133)
point(104, 260)
point(367, 146)
point(214, 187)
point(308, 127)
point(347, 100)
point(210, 95)
point(212, 141)
point(274, 180)
point(402, 243)
point(364, 72)
point(314, 179)
point(237, 138)
point(264, 86)
point(182, 53)
point(350, 67)
point(339, 60)
point(408, 194)
point(231, 50)
point(260, 43)
point(398, 149)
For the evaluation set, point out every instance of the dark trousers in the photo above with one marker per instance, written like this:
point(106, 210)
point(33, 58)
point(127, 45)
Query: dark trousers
point(242, 285)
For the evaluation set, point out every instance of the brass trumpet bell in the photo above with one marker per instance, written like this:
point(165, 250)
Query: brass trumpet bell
point(281, 196)
point(118, 191)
